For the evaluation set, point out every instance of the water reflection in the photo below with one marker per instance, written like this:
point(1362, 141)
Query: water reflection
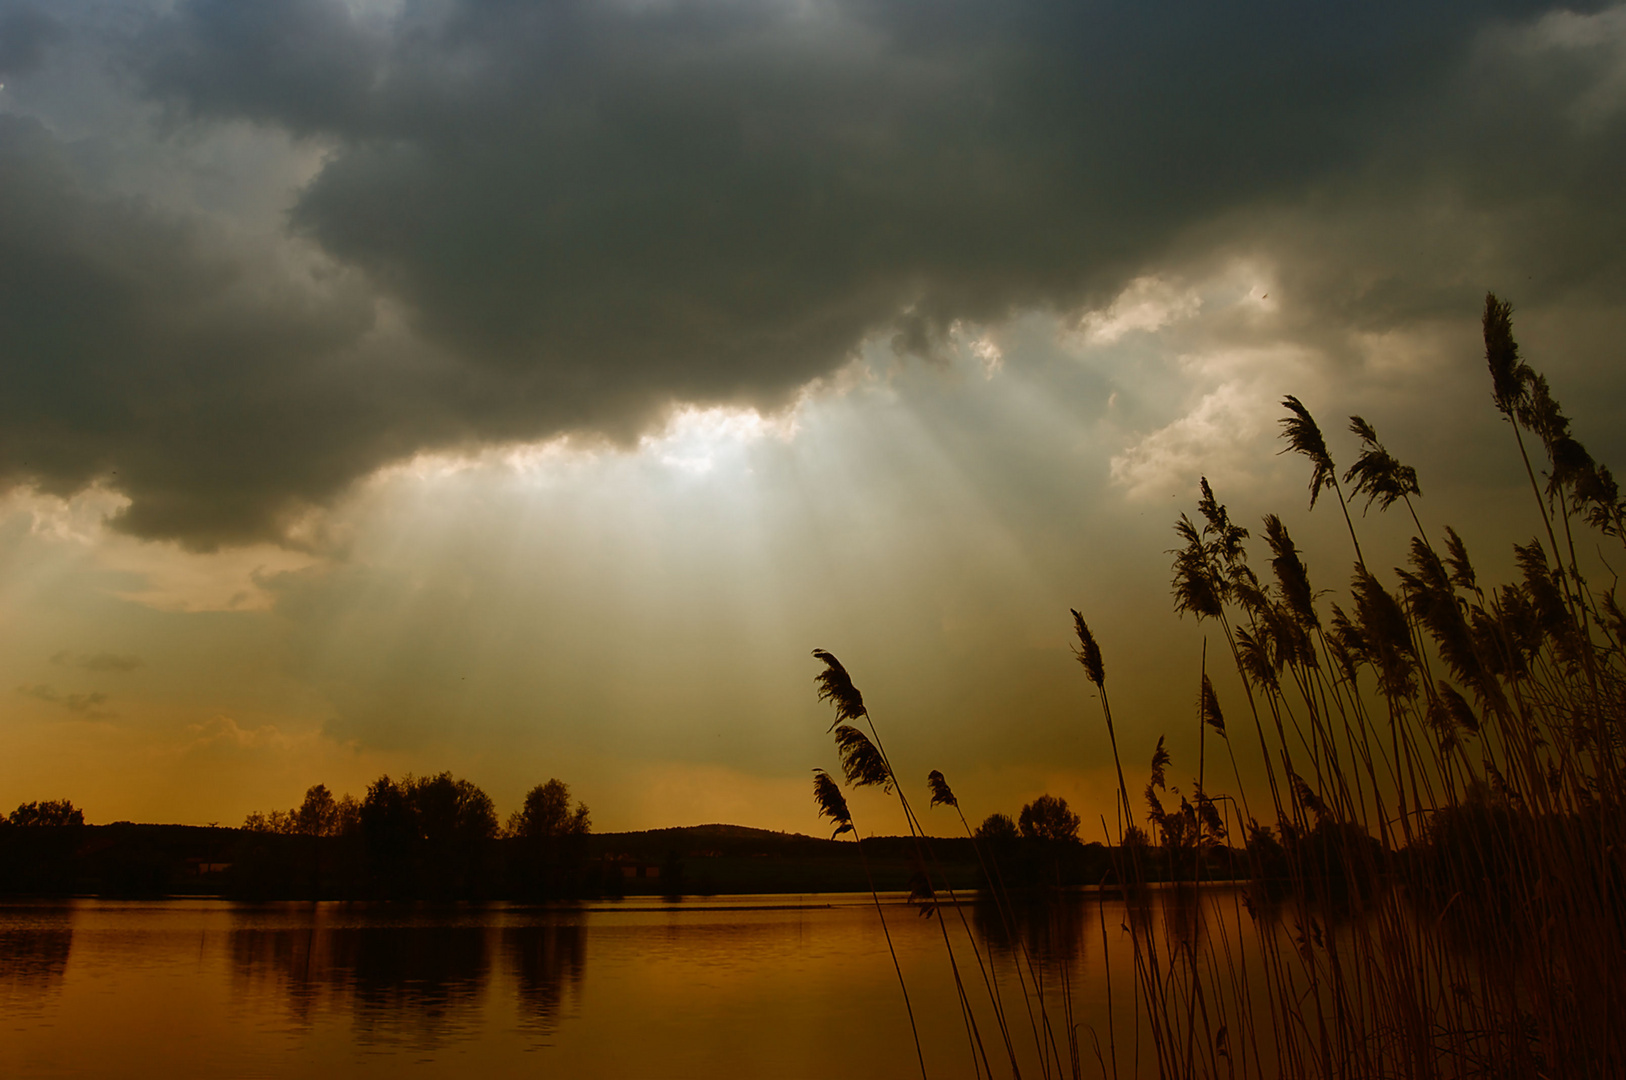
point(730, 986)
point(421, 982)
point(1046, 927)
point(547, 962)
point(34, 948)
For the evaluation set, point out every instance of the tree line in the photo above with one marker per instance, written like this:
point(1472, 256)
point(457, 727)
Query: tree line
point(49, 812)
point(432, 837)
point(432, 808)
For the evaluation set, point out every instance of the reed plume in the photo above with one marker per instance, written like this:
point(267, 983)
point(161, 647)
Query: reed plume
point(1197, 588)
point(1087, 651)
point(836, 687)
point(831, 802)
point(1088, 654)
point(1304, 436)
point(1208, 707)
point(1291, 575)
point(1510, 376)
point(862, 764)
point(1160, 762)
point(1376, 473)
point(1456, 557)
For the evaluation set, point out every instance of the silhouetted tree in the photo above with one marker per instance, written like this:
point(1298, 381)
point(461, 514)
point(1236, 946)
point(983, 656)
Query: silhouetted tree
point(453, 819)
point(997, 828)
point(550, 836)
point(450, 811)
point(547, 812)
point(347, 816)
point(53, 812)
point(388, 834)
point(1048, 818)
point(319, 814)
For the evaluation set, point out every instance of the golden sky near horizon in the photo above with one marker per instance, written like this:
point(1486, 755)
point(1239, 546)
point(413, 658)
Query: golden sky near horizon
point(399, 387)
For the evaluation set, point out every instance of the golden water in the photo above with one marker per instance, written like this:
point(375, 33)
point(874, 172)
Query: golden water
point(731, 987)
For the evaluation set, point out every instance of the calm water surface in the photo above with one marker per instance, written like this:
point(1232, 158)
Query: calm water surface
point(725, 986)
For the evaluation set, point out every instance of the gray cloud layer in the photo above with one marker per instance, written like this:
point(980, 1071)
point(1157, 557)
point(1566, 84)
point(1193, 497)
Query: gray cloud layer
point(587, 210)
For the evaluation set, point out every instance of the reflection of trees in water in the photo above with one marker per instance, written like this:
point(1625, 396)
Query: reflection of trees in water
point(420, 983)
point(33, 955)
point(547, 961)
point(287, 959)
point(1051, 927)
point(423, 982)
point(1059, 928)
point(1181, 907)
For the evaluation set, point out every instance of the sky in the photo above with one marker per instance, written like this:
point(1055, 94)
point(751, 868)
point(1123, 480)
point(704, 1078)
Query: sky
point(525, 390)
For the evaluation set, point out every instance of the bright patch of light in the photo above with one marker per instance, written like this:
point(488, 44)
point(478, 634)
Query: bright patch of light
point(1223, 431)
point(696, 439)
point(982, 348)
point(1146, 304)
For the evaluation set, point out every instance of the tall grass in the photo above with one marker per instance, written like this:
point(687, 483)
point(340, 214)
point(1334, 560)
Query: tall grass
point(1439, 893)
point(1431, 826)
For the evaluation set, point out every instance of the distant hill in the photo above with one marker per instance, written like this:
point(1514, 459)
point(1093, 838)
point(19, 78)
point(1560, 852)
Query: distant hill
point(718, 838)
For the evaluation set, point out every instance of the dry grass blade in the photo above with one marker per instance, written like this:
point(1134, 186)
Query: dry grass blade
point(836, 687)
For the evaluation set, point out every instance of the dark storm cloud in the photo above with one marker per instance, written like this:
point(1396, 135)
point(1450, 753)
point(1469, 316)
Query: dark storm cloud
point(25, 32)
point(136, 350)
point(588, 209)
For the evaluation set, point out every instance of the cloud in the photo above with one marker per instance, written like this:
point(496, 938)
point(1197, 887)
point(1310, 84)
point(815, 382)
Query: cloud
point(25, 34)
point(225, 733)
point(85, 705)
point(1146, 304)
point(1220, 432)
point(525, 221)
point(98, 661)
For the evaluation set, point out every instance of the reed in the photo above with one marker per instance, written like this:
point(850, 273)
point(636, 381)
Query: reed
point(1435, 886)
point(1442, 892)
point(865, 763)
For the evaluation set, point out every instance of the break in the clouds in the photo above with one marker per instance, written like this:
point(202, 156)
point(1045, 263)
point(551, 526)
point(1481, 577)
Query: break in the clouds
point(251, 252)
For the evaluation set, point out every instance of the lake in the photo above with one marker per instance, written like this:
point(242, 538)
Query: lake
point(723, 986)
